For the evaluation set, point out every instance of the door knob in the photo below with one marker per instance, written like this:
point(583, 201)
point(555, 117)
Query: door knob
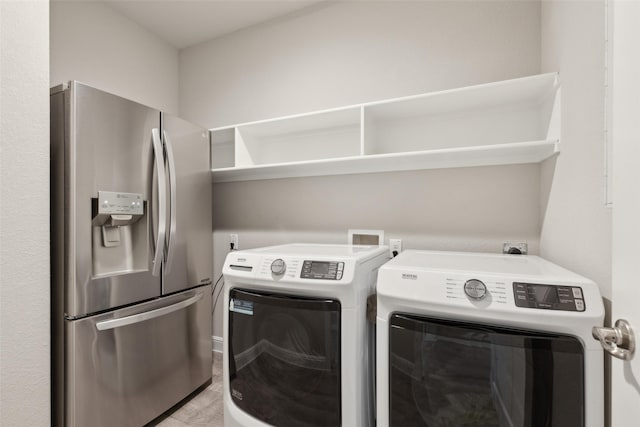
point(619, 341)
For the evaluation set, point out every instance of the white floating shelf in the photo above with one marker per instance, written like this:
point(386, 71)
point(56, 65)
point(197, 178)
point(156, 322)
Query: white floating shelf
point(488, 155)
point(475, 126)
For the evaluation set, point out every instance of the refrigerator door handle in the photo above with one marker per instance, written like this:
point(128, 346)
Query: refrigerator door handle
point(162, 201)
point(172, 202)
point(147, 315)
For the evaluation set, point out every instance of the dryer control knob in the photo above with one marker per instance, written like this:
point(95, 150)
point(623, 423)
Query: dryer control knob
point(278, 267)
point(475, 289)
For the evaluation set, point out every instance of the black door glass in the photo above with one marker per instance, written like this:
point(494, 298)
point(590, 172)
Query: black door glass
point(284, 358)
point(446, 374)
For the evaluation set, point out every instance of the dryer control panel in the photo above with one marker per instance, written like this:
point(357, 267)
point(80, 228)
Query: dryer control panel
point(548, 297)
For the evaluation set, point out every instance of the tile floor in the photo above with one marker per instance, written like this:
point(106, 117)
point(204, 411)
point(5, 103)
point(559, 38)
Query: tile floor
point(203, 409)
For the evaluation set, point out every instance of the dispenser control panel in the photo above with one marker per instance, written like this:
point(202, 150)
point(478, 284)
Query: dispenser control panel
point(115, 203)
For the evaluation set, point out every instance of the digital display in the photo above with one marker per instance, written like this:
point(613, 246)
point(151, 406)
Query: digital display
point(319, 267)
point(323, 270)
point(548, 297)
point(543, 293)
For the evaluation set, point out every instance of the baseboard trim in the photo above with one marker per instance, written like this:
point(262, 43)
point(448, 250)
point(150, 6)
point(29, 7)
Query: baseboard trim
point(218, 344)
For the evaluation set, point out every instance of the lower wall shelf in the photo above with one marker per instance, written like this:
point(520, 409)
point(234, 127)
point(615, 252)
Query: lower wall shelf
point(486, 155)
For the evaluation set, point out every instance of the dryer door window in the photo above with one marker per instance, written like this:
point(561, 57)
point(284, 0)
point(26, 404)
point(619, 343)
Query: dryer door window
point(284, 358)
point(444, 373)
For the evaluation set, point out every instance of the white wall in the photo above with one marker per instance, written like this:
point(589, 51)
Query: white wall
point(576, 228)
point(96, 45)
point(352, 52)
point(625, 46)
point(24, 214)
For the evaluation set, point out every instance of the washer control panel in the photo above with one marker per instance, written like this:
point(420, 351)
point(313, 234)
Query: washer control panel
point(326, 270)
point(548, 297)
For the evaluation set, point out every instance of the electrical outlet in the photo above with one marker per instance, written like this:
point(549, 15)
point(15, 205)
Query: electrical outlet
point(395, 245)
point(233, 241)
point(515, 248)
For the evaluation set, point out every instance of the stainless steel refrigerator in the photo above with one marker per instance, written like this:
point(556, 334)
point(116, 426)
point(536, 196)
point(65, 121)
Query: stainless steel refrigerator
point(131, 259)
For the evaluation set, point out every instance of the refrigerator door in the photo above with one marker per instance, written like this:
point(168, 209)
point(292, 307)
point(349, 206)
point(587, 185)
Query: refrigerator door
point(130, 365)
point(108, 159)
point(189, 240)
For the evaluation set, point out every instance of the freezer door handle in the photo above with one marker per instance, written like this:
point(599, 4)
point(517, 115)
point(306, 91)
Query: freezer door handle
point(172, 202)
point(162, 201)
point(147, 315)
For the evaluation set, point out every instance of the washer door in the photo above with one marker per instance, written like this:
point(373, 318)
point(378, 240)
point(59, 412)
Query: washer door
point(284, 358)
point(444, 373)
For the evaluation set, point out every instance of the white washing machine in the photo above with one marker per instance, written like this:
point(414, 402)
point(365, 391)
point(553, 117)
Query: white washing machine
point(298, 350)
point(470, 339)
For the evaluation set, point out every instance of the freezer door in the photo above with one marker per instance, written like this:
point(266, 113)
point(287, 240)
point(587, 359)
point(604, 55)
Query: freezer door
point(189, 241)
point(127, 367)
point(102, 144)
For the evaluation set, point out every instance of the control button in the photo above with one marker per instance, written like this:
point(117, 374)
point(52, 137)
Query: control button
point(579, 305)
point(577, 292)
point(339, 276)
point(475, 289)
point(278, 267)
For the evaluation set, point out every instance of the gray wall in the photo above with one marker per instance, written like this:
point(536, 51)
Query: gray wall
point(352, 52)
point(576, 227)
point(24, 214)
point(96, 45)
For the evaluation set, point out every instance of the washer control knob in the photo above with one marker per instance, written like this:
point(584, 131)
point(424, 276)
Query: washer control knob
point(278, 267)
point(475, 289)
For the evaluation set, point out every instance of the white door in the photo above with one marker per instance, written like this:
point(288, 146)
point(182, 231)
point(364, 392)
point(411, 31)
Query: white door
point(626, 203)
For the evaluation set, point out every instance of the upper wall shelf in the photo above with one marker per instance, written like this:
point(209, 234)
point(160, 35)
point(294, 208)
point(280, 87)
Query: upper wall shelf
point(508, 122)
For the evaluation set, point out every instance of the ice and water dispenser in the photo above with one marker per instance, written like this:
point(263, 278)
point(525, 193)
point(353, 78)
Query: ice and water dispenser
point(120, 233)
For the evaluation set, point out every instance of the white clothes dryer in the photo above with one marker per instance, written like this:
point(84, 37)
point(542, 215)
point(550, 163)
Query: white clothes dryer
point(471, 339)
point(298, 350)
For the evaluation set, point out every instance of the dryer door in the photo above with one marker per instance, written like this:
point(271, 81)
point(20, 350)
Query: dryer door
point(445, 373)
point(284, 358)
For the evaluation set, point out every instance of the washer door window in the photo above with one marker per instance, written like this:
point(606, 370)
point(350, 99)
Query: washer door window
point(284, 358)
point(444, 373)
